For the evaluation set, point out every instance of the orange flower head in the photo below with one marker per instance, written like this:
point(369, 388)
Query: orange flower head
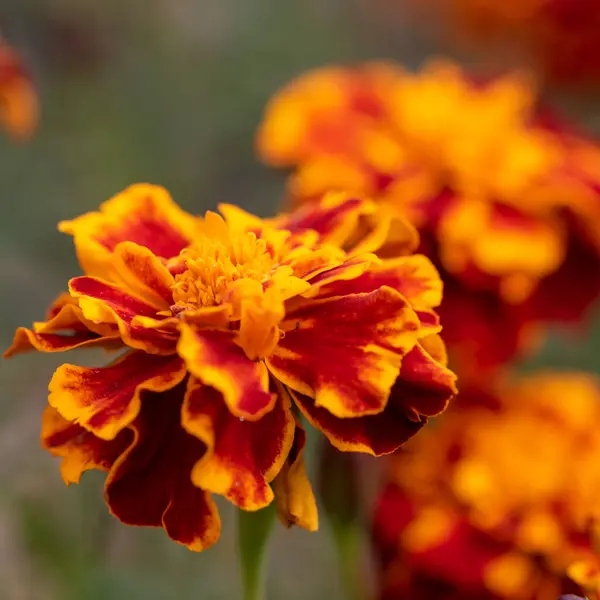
point(557, 37)
point(18, 98)
point(507, 204)
point(500, 498)
point(229, 327)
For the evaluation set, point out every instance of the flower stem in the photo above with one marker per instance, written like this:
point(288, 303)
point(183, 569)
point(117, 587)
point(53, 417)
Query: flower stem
point(254, 529)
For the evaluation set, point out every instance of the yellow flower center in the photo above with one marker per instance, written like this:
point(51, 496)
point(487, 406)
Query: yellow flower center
point(249, 274)
point(212, 265)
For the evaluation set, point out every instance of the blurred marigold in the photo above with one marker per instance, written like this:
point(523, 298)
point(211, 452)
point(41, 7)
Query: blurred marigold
point(498, 500)
point(229, 326)
point(507, 204)
point(18, 98)
point(559, 37)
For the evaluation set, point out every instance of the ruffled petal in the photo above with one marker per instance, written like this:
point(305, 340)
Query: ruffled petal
point(137, 269)
point(214, 358)
point(103, 302)
point(378, 434)
point(294, 497)
point(144, 214)
point(106, 400)
point(65, 329)
point(79, 449)
point(414, 277)
point(26, 340)
point(335, 217)
point(242, 457)
point(150, 485)
point(346, 351)
point(424, 386)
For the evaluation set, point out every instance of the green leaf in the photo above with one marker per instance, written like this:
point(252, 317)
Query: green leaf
point(254, 529)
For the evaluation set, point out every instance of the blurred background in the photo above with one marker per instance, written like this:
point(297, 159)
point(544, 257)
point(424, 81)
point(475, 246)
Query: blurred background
point(168, 92)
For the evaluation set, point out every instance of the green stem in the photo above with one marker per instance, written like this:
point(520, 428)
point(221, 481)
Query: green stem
point(254, 529)
point(347, 541)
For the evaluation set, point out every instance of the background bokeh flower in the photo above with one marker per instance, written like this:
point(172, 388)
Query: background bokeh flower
point(505, 198)
point(500, 499)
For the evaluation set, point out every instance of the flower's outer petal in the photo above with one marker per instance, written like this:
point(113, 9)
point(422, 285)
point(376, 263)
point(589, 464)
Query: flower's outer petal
point(378, 434)
point(144, 214)
point(335, 217)
point(137, 269)
point(242, 457)
point(348, 271)
point(65, 329)
point(103, 302)
point(414, 277)
point(79, 449)
point(106, 400)
point(150, 485)
point(26, 340)
point(214, 358)
point(294, 497)
point(424, 387)
point(346, 351)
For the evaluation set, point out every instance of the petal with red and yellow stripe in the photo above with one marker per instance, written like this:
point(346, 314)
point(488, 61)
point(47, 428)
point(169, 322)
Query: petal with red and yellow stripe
point(346, 352)
point(103, 302)
point(334, 217)
point(143, 213)
point(242, 457)
point(79, 449)
point(378, 434)
point(414, 277)
point(106, 400)
point(150, 485)
point(214, 357)
point(65, 329)
point(294, 497)
point(19, 110)
point(424, 387)
point(346, 271)
point(137, 269)
point(26, 340)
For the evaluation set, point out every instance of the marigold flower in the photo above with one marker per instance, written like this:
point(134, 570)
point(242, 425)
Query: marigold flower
point(18, 98)
point(506, 203)
point(497, 501)
point(226, 324)
point(561, 37)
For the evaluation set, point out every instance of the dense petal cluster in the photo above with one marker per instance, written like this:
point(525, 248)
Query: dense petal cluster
point(18, 98)
point(559, 37)
point(500, 500)
point(507, 203)
point(229, 328)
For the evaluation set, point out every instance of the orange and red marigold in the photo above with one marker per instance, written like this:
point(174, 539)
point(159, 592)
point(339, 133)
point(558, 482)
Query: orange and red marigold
point(229, 329)
point(499, 501)
point(506, 202)
point(18, 98)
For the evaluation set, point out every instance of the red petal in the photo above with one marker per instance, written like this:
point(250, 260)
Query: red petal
point(242, 457)
point(106, 400)
point(214, 358)
point(414, 277)
point(424, 386)
point(103, 302)
point(346, 352)
point(150, 485)
point(378, 434)
point(79, 449)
